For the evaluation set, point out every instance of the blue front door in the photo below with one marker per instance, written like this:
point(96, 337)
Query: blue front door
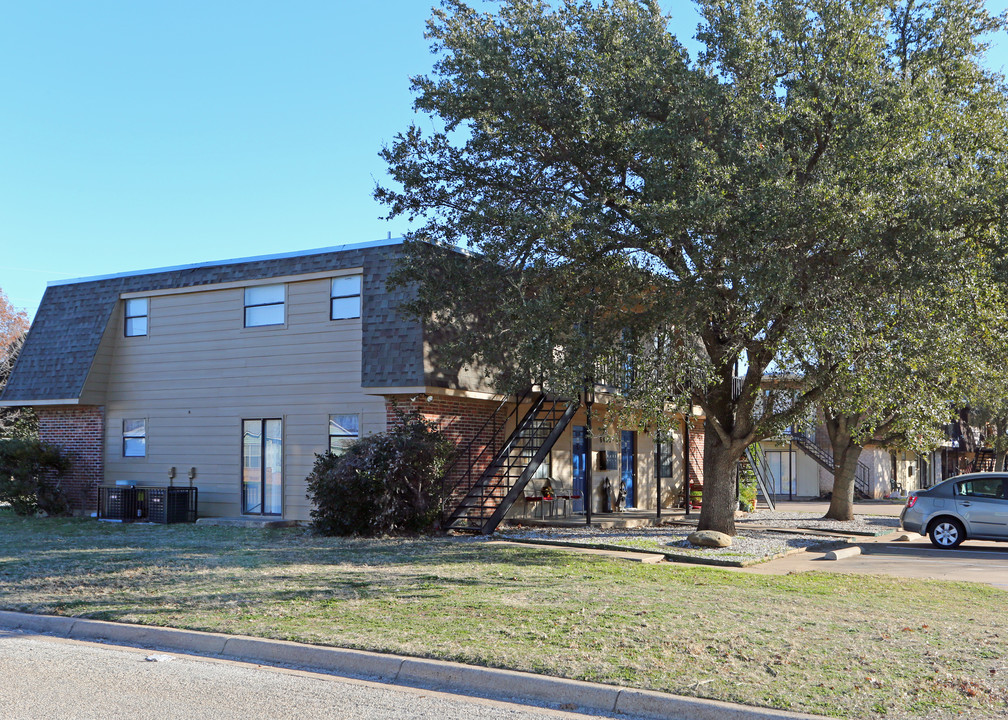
point(628, 463)
point(579, 462)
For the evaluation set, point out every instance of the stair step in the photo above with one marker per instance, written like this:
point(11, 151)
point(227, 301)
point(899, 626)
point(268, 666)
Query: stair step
point(483, 504)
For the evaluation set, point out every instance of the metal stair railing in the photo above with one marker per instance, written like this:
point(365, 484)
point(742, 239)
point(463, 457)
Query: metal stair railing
point(824, 457)
point(521, 452)
point(480, 450)
point(488, 500)
point(862, 479)
point(761, 468)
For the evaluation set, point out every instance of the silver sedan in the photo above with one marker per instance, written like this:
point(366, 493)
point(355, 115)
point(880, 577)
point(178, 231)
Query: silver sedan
point(973, 506)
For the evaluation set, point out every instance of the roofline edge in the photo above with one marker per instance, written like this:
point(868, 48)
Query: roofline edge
point(213, 263)
point(39, 403)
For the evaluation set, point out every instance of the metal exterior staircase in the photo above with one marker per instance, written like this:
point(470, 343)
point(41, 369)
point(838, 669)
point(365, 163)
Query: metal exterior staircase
point(824, 457)
point(487, 501)
point(761, 468)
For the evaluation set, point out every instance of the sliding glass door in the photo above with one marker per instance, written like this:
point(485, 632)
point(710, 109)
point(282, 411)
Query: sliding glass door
point(262, 467)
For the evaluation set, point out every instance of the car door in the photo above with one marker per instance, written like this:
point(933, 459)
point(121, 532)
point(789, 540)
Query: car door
point(982, 504)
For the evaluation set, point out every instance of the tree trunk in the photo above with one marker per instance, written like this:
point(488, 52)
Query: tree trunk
point(846, 454)
point(719, 500)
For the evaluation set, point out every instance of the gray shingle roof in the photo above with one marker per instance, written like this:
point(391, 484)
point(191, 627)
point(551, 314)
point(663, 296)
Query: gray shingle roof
point(72, 317)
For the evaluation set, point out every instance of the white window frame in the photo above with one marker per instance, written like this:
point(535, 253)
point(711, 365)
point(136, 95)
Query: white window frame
point(281, 303)
point(336, 439)
point(341, 293)
point(134, 434)
point(128, 306)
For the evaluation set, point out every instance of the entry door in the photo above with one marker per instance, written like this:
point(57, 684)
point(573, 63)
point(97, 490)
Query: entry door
point(579, 462)
point(262, 467)
point(628, 464)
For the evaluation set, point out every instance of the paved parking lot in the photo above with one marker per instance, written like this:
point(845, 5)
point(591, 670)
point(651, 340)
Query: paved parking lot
point(973, 561)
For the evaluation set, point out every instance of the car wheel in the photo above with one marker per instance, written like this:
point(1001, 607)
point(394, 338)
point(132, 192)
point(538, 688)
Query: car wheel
point(946, 533)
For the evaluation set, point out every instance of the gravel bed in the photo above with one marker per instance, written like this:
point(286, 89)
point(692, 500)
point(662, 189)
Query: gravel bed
point(874, 524)
point(747, 546)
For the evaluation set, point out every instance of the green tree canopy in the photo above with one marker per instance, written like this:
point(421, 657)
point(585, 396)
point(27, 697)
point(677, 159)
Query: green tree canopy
point(815, 157)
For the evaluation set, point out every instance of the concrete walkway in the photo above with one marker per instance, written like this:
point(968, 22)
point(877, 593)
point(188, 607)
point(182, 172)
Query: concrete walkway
point(648, 518)
point(864, 507)
point(508, 685)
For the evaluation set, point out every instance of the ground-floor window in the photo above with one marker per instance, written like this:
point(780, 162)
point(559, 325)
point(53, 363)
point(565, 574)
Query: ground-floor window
point(667, 450)
point(262, 467)
point(343, 430)
point(134, 440)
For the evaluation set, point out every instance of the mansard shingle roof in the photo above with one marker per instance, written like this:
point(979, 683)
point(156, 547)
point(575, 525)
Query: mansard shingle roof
point(61, 346)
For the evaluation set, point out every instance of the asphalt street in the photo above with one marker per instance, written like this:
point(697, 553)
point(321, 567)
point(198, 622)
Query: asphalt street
point(47, 678)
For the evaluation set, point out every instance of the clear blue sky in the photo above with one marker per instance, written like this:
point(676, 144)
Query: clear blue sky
point(153, 133)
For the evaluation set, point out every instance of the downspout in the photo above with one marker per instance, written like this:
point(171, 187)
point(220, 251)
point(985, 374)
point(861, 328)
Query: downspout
point(588, 458)
point(686, 465)
point(658, 443)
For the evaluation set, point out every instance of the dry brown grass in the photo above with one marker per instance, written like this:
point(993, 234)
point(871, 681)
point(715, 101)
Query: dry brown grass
point(846, 646)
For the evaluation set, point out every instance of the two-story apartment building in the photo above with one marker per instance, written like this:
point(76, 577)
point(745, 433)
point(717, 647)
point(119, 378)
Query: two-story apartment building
point(232, 375)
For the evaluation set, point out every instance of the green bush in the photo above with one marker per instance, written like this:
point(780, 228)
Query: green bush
point(30, 475)
point(747, 490)
point(383, 483)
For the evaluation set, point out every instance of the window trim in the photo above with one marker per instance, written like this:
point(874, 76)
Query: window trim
point(126, 437)
point(246, 305)
point(127, 317)
point(262, 466)
point(359, 295)
point(343, 437)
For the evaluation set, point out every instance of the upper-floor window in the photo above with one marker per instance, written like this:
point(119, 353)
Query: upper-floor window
point(345, 297)
point(136, 317)
point(264, 305)
point(134, 438)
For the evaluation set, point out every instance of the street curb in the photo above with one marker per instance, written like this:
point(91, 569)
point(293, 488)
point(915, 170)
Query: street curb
point(443, 676)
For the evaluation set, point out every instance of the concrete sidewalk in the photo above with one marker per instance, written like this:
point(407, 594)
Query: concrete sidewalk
point(890, 508)
point(508, 685)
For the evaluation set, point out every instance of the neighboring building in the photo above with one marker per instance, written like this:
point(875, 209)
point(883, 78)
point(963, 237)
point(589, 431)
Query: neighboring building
point(800, 465)
point(236, 373)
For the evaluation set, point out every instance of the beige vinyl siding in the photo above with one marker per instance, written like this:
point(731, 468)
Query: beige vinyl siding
point(199, 373)
point(647, 484)
point(93, 392)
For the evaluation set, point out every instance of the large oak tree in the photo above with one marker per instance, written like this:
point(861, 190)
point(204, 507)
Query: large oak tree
point(617, 193)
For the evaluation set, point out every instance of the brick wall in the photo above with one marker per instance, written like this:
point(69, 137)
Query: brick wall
point(696, 452)
point(81, 432)
point(460, 419)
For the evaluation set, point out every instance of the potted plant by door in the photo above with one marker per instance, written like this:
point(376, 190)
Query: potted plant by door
point(696, 495)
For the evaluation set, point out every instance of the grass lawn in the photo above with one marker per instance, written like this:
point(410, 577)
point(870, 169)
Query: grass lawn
point(855, 647)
